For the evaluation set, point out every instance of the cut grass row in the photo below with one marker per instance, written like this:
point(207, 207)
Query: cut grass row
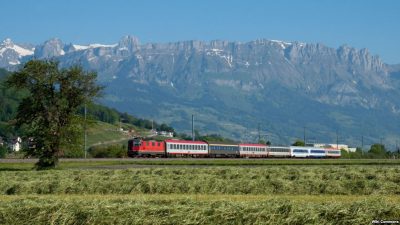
point(81, 163)
point(314, 180)
point(195, 209)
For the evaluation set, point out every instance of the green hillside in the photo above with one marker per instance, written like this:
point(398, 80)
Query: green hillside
point(105, 126)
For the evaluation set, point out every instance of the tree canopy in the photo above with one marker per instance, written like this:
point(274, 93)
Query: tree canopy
point(50, 109)
point(377, 149)
point(298, 143)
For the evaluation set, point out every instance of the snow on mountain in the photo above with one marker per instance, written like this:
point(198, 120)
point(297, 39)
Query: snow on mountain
point(84, 47)
point(7, 44)
point(283, 44)
point(80, 47)
point(12, 54)
point(102, 46)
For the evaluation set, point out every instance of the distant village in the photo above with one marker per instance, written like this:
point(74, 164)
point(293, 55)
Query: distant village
point(14, 145)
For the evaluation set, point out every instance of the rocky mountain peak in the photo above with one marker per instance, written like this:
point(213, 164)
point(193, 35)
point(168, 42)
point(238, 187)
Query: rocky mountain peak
point(129, 43)
point(11, 53)
point(7, 43)
point(50, 48)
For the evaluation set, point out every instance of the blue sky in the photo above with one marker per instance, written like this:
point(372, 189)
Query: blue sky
point(359, 23)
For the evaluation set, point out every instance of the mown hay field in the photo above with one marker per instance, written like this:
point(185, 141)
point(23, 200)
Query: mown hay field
point(273, 194)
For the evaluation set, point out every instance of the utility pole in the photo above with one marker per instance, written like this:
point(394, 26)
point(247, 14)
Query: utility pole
point(337, 139)
point(259, 134)
point(85, 142)
point(193, 138)
point(304, 135)
point(362, 144)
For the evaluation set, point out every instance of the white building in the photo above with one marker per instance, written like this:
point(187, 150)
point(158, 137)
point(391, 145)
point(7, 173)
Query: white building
point(15, 144)
point(334, 146)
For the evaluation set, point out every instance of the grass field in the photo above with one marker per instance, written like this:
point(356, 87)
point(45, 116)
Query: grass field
point(195, 209)
point(90, 163)
point(191, 192)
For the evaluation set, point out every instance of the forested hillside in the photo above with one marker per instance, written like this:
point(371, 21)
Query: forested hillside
point(104, 122)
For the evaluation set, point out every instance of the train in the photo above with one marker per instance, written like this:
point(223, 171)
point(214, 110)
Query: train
point(138, 147)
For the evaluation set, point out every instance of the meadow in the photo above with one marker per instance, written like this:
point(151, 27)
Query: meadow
point(84, 193)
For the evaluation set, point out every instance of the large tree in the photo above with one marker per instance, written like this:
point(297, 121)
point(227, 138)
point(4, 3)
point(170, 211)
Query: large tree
point(50, 110)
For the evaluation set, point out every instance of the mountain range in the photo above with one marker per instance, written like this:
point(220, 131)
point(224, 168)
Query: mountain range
point(287, 90)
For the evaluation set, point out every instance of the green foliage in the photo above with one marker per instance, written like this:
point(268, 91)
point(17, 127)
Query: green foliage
point(110, 151)
point(3, 151)
point(101, 113)
point(298, 143)
point(378, 150)
point(344, 154)
point(9, 100)
point(49, 111)
point(143, 123)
